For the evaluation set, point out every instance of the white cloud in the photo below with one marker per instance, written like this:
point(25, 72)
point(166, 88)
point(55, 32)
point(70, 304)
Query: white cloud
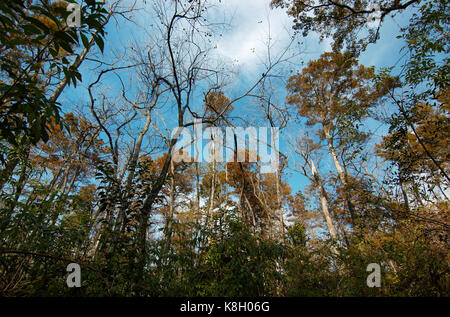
point(251, 23)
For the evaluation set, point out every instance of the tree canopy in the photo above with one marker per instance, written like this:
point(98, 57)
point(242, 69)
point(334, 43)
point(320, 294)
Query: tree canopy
point(351, 166)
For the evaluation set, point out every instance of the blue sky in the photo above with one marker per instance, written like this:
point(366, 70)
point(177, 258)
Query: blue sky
point(242, 45)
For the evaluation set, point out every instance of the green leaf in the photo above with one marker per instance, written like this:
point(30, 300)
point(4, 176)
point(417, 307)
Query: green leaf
point(85, 40)
point(99, 41)
point(31, 29)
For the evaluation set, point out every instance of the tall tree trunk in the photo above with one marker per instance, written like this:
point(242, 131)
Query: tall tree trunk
point(197, 190)
point(132, 164)
point(323, 202)
point(213, 184)
point(170, 214)
point(342, 175)
point(279, 207)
